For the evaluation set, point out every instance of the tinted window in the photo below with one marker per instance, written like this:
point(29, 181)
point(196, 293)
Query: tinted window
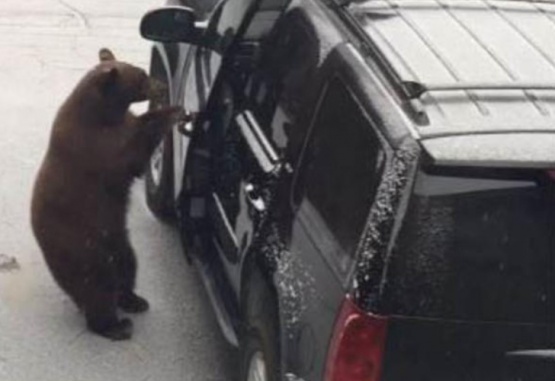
point(477, 244)
point(230, 18)
point(340, 172)
point(282, 87)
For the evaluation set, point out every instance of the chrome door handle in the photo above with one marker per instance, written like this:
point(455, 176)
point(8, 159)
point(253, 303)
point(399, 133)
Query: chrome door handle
point(254, 198)
point(185, 124)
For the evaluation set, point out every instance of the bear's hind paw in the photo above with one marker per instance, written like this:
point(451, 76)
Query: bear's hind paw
point(120, 330)
point(132, 303)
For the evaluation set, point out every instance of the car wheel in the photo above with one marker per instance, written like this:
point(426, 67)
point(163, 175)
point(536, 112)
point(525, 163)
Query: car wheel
point(159, 174)
point(260, 342)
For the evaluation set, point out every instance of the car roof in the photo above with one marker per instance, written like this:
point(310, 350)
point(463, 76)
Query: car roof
point(482, 72)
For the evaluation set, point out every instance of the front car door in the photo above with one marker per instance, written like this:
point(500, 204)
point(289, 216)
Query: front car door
point(245, 159)
point(229, 22)
point(228, 136)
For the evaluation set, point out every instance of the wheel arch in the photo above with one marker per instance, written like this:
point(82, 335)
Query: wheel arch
point(264, 259)
point(262, 256)
point(159, 193)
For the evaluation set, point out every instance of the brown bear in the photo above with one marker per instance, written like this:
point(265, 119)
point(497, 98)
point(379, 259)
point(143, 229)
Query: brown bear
point(78, 210)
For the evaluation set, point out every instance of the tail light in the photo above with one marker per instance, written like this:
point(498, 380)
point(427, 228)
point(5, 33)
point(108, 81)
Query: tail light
point(357, 346)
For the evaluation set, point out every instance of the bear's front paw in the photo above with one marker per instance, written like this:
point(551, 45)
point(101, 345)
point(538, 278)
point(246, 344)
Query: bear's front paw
point(168, 114)
point(132, 303)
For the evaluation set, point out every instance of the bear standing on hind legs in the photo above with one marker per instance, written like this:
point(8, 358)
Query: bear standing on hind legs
point(78, 212)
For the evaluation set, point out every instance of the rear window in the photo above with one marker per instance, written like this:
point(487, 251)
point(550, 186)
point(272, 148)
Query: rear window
point(476, 244)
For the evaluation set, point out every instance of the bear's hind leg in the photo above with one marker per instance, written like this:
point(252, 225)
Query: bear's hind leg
point(126, 263)
point(99, 303)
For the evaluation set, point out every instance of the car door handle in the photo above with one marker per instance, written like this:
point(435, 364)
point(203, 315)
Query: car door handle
point(253, 198)
point(185, 125)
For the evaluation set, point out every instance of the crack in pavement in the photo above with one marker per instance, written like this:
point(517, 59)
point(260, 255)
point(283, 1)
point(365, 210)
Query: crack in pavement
point(74, 339)
point(79, 15)
point(133, 349)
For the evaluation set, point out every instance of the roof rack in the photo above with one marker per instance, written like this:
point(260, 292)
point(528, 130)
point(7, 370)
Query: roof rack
point(415, 89)
point(372, 49)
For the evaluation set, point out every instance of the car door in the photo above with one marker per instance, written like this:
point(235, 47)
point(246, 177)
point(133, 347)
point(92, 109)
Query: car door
point(244, 163)
point(186, 93)
point(243, 157)
point(230, 21)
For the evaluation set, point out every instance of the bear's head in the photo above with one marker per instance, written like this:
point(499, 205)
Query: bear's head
point(116, 85)
point(125, 82)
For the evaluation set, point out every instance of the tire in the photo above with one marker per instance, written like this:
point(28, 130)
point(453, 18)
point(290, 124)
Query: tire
point(260, 340)
point(159, 186)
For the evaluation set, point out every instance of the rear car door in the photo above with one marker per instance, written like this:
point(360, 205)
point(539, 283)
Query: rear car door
point(339, 174)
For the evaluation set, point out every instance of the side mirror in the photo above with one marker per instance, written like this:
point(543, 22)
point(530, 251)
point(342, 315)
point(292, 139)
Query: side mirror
point(171, 24)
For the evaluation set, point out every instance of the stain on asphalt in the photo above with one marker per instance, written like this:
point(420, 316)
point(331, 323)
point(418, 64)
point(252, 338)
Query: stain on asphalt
point(8, 264)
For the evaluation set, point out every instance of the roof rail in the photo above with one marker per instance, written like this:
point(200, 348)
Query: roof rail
point(417, 89)
point(372, 50)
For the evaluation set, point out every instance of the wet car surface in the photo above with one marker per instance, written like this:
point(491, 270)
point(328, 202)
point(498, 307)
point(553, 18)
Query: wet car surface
point(367, 187)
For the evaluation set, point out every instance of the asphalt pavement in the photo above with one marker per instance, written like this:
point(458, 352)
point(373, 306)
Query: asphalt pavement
point(45, 47)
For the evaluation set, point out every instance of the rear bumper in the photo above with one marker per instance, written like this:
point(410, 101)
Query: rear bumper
point(423, 349)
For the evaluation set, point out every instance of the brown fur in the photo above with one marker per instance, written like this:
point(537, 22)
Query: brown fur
point(80, 197)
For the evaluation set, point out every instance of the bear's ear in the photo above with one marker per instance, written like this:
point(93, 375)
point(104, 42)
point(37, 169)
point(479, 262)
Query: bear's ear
point(106, 55)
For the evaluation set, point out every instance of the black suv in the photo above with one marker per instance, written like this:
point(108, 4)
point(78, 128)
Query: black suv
point(367, 187)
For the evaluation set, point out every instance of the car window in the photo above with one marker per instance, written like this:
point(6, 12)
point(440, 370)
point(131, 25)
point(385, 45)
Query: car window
point(280, 89)
point(226, 26)
point(229, 19)
point(223, 26)
point(476, 231)
point(339, 174)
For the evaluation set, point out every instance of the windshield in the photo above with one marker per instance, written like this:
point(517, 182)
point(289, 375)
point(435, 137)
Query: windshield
point(476, 245)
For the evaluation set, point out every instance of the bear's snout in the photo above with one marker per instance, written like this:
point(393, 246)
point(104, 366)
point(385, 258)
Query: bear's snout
point(155, 90)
